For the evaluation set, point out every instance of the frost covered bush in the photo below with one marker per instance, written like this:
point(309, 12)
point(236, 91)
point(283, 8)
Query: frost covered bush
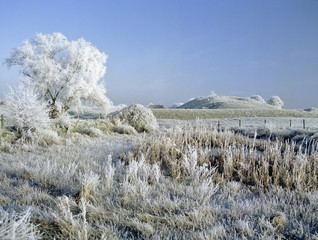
point(137, 116)
point(26, 111)
point(276, 101)
point(62, 72)
point(258, 98)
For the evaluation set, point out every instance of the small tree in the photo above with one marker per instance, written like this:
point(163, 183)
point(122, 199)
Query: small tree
point(62, 71)
point(276, 101)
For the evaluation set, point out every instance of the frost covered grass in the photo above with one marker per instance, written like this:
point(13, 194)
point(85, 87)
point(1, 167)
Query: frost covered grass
point(193, 114)
point(237, 157)
point(179, 183)
point(17, 226)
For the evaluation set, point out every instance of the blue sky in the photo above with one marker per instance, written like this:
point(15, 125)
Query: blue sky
point(169, 51)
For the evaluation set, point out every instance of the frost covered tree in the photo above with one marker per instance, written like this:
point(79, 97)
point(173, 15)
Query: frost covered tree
point(276, 101)
point(26, 111)
point(62, 72)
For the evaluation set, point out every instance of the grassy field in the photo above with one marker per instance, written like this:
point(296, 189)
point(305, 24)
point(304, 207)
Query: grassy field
point(192, 114)
point(185, 180)
point(185, 183)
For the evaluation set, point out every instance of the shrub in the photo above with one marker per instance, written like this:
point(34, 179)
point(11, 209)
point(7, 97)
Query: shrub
point(276, 101)
point(137, 116)
point(26, 111)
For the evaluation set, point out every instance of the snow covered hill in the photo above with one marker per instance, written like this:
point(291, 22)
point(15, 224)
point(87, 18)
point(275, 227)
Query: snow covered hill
point(225, 102)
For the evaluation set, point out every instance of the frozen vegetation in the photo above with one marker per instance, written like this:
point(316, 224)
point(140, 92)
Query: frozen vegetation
point(72, 171)
point(130, 175)
point(182, 181)
point(62, 73)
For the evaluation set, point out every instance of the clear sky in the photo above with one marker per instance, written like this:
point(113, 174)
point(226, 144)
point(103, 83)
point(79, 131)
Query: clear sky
point(168, 51)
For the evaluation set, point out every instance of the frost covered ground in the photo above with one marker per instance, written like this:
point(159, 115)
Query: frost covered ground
point(188, 180)
point(193, 114)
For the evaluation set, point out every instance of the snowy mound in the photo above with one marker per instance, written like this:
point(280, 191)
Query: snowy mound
point(136, 116)
point(225, 102)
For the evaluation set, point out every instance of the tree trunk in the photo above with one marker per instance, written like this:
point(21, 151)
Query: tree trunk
point(54, 112)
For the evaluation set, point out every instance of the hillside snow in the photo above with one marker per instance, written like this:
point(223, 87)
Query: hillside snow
point(225, 102)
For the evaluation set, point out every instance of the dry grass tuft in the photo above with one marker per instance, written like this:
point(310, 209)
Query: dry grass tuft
point(279, 222)
point(90, 182)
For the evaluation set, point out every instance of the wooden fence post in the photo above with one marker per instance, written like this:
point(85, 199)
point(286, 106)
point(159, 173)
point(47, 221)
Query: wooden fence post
point(240, 123)
point(2, 122)
point(219, 125)
point(304, 123)
point(290, 123)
